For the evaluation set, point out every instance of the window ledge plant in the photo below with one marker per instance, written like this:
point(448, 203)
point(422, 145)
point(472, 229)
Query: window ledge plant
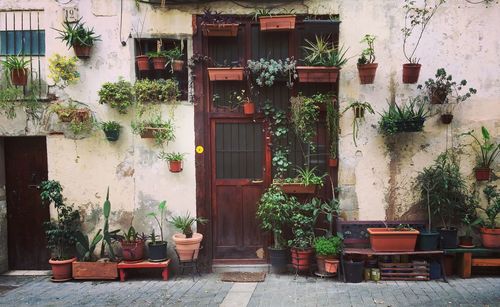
point(266, 72)
point(16, 67)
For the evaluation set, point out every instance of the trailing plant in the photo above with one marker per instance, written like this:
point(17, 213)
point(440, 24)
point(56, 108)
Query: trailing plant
point(159, 217)
point(444, 86)
point(493, 208)
point(322, 52)
point(488, 149)
point(84, 126)
point(184, 223)
point(274, 211)
point(85, 247)
point(63, 70)
point(331, 246)
point(265, 72)
point(60, 232)
point(119, 95)
point(360, 109)
point(368, 54)
point(77, 34)
point(80, 119)
point(280, 161)
point(408, 118)
point(110, 126)
point(156, 91)
point(304, 117)
point(278, 128)
point(416, 21)
point(171, 156)
point(163, 132)
point(332, 126)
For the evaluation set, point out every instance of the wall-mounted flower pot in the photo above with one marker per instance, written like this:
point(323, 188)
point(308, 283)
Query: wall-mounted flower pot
point(298, 188)
point(220, 30)
point(392, 240)
point(82, 51)
point(248, 108)
point(482, 174)
point(177, 65)
point(277, 23)
point(95, 270)
point(112, 135)
point(333, 162)
point(187, 248)
point(142, 62)
point(133, 251)
point(175, 166)
point(225, 74)
point(438, 97)
point(448, 238)
point(411, 72)
point(446, 118)
point(490, 237)
point(317, 74)
point(359, 112)
point(61, 269)
point(157, 251)
point(367, 73)
point(149, 133)
point(159, 63)
point(19, 77)
point(428, 241)
point(301, 258)
point(279, 259)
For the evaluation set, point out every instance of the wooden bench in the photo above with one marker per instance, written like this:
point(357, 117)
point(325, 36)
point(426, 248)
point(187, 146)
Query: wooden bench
point(466, 261)
point(123, 266)
point(357, 241)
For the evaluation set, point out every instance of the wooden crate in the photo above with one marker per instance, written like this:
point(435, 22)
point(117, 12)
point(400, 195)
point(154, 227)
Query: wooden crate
point(95, 270)
point(404, 271)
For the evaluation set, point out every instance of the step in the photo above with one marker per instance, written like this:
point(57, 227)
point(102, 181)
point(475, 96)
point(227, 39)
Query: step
point(223, 268)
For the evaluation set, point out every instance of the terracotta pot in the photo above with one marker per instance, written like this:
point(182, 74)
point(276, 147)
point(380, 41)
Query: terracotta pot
point(438, 97)
point(490, 237)
point(19, 77)
point(367, 73)
point(411, 73)
point(177, 65)
point(225, 74)
point(482, 174)
point(331, 265)
point(446, 118)
point(333, 162)
point(132, 251)
point(317, 74)
point(149, 133)
point(220, 30)
point(159, 63)
point(392, 240)
point(465, 241)
point(175, 166)
point(277, 23)
point(95, 270)
point(301, 258)
point(187, 248)
point(142, 62)
point(298, 188)
point(359, 112)
point(82, 51)
point(249, 108)
point(61, 269)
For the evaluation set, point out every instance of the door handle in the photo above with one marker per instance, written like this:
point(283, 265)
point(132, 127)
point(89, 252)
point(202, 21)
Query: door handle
point(258, 181)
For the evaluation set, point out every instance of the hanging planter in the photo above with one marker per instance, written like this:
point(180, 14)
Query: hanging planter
point(277, 23)
point(446, 118)
point(82, 51)
point(142, 62)
point(177, 65)
point(248, 108)
point(148, 133)
point(174, 160)
point(225, 74)
point(319, 74)
point(438, 97)
point(482, 174)
point(159, 63)
point(411, 73)
point(19, 76)
point(220, 30)
point(175, 166)
point(367, 73)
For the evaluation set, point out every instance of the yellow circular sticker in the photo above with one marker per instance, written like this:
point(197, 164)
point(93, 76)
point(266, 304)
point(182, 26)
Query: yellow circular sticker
point(199, 149)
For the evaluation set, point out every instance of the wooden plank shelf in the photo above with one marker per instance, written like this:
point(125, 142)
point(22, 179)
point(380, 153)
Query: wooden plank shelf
point(405, 271)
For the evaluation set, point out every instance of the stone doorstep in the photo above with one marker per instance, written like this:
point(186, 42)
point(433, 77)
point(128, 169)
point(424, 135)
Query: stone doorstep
point(28, 273)
point(223, 268)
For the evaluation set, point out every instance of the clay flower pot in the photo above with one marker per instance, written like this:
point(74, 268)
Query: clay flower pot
point(225, 74)
point(177, 65)
point(61, 269)
point(132, 251)
point(411, 73)
point(187, 248)
point(82, 51)
point(277, 23)
point(142, 62)
point(482, 174)
point(317, 74)
point(490, 237)
point(333, 162)
point(446, 118)
point(301, 258)
point(392, 240)
point(249, 108)
point(220, 30)
point(331, 265)
point(19, 77)
point(465, 242)
point(175, 166)
point(367, 73)
point(159, 63)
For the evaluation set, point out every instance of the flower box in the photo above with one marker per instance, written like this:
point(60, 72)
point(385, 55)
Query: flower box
point(220, 30)
point(298, 188)
point(319, 74)
point(226, 74)
point(149, 133)
point(277, 23)
point(392, 240)
point(95, 270)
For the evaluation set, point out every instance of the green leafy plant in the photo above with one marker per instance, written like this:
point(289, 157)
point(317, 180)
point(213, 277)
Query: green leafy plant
point(184, 223)
point(359, 108)
point(322, 52)
point(63, 70)
point(159, 217)
point(368, 54)
point(77, 34)
point(408, 118)
point(174, 53)
point(332, 126)
point(302, 223)
point(118, 95)
point(108, 236)
point(488, 149)
point(171, 156)
point(131, 235)
point(110, 126)
point(328, 247)
point(8, 98)
point(278, 127)
point(233, 102)
point(304, 116)
point(149, 92)
point(265, 72)
point(60, 232)
point(403, 227)
point(493, 208)
point(15, 62)
point(85, 248)
point(444, 86)
point(307, 176)
point(469, 221)
point(163, 132)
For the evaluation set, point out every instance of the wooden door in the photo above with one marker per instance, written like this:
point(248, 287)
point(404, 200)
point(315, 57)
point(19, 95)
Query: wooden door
point(25, 169)
point(238, 181)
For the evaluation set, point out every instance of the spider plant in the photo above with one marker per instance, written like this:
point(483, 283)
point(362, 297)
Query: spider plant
point(322, 52)
point(359, 108)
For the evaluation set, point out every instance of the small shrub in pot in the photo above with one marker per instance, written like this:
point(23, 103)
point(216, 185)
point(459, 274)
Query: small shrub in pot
point(158, 249)
point(111, 130)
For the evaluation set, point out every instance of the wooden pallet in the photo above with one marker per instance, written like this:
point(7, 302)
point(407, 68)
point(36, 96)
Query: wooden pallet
point(404, 271)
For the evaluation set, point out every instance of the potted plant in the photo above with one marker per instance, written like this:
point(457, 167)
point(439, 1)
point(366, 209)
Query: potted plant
point(78, 36)
point(152, 92)
point(333, 128)
point(402, 238)
point(416, 21)
point(214, 24)
point(367, 67)
point(306, 182)
point(284, 21)
point(488, 152)
point(469, 220)
point(142, 62)
point(266, 72)
point(187, 243)
point(174, 57)
point(118, 95)
point(132, 244)
point(17, 66)
point(156, 128)
point(359, 109)
point(63, 70)
point(490, 233)
point(158, 249)
point(408, 118)
point(302, 224)
point(274, 212)
point(327, 253)
point(304, 116)
point(60, 232)
point(111, 130)
point(174, 160)
point(322, 61)
point(226, 72)
point(159, 59)
point(248, 105)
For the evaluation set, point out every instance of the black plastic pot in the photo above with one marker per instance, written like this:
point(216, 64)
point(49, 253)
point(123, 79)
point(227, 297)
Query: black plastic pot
point(435, 270)
point(112, 135)
point(157, 251)
point(448, 238)
point(354, 271)
point(279, 259)
point(428, 241)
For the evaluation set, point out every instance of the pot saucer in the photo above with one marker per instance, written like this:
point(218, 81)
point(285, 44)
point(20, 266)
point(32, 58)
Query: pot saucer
point(60, 280)
point(467, 246)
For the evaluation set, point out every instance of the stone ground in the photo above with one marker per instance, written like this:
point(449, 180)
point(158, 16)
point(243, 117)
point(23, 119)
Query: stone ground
point(276, 290)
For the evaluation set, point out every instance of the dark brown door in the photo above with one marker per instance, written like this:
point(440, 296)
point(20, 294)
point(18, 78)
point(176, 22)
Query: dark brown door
point(25, 168)
point(238, 176)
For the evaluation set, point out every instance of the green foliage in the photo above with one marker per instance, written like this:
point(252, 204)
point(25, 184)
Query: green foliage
point(174, 53)
point(265, 72)
point(13, 62)
point(332, 126)
point(118, 95)
point(163, 133)
point(171, 156)
point(8, 97)
point(159, 216)
point(408, 118)
point(444, 86)
point(359, 108)
point(330, 209)
point(275, 211)
point(185, 223)
point(85, 126)
point(278, 128)
point(156, 91)
point(488, 149)
point(63, 70)
point(307, 176)
point(328, 246)
point(302, 224)
point(61, 233)
point(493, 208)
point(107, 235)
point(86, 248)
point(131, 235)
point(368, 54)
point(110, 126)
point(77, 34)
point(304, 117)
point(322, 52)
